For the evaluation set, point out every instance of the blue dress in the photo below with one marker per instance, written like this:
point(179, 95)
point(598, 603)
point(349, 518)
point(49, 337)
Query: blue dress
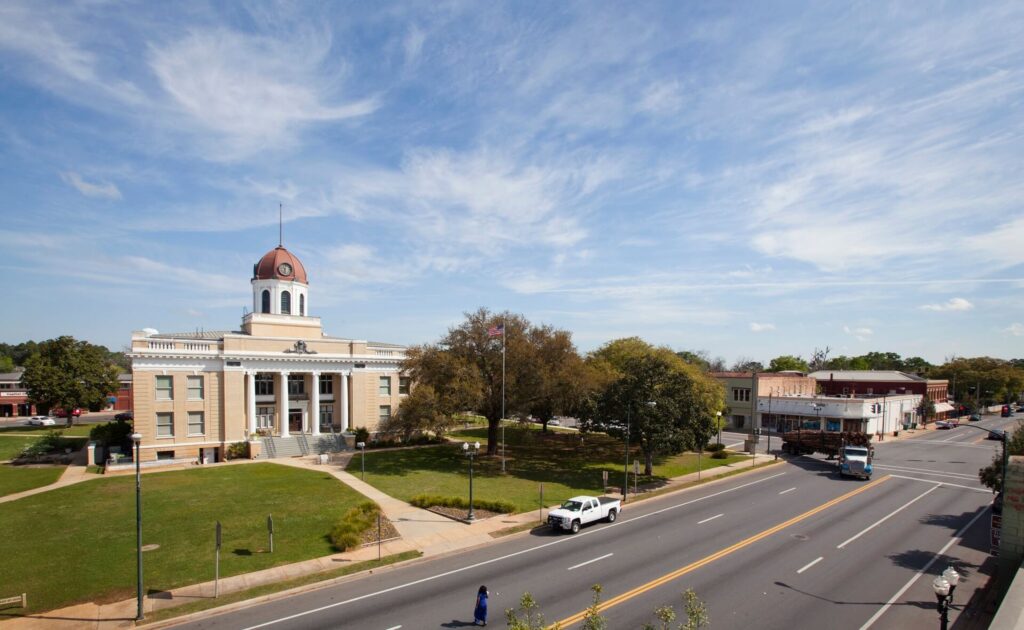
point(480, 612)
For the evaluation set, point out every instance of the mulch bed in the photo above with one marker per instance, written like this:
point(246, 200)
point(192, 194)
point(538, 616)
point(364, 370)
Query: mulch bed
point(387, 531)
point(459, 514)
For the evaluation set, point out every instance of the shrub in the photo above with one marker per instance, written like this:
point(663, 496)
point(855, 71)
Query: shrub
point(711, 448)
point(432, 500)
point(720, 455)
point(347, 532)
point(362, 434)
point(238, 450)
point(116, 433)
point(52, 442)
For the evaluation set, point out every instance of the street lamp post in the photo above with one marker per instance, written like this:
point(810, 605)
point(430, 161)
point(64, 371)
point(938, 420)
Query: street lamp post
point(137, 439)
point(944, 585)
point(362, 459)
point(718, 421)
point(625, 466)
point(470, 453)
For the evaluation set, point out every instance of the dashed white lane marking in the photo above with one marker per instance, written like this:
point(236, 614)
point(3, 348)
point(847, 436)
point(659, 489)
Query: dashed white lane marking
point(889, 515)
point(709, 519)
point(394, 627)
point(785, 491)
point(810, 564)
point(583, 564)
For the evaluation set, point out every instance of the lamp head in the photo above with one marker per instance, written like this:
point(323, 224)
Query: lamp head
point(718, 413)
point(465, 446)
point(951, 576)
point(136, 437)
point(940, 586)
point(476, 446)
point(360, 444)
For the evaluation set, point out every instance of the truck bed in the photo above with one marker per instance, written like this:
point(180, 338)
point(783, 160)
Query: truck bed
point(607, 500)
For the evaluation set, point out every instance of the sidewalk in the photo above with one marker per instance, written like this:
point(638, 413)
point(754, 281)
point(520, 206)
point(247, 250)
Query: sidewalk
point(76, 472)
point(422, 530)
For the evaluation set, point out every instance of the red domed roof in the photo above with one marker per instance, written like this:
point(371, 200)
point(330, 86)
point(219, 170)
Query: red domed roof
point(275, 262)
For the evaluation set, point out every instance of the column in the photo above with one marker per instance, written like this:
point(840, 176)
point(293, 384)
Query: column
point(343, 401)
point(250, 401)
point(314, 403)
point(282, 402)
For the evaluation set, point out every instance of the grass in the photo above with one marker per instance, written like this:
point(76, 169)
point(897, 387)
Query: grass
point(277, 587)
point(85, 533)
point(12, 445)
point(77, 430)
point(20, 478)
point(558, 460)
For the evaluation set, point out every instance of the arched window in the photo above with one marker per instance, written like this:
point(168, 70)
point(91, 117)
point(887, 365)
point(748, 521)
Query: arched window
point(266, 301)
point(286, 303)
point(302, 305)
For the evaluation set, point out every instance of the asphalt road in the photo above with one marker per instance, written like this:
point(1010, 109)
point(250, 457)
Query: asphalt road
point(790, 545)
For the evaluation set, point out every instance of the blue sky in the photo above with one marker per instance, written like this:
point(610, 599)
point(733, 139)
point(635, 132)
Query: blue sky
point(747, 179)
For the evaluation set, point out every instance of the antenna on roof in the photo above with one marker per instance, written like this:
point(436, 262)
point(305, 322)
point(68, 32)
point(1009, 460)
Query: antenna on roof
point(280, 225)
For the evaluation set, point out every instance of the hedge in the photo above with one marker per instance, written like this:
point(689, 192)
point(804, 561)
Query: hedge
point(431, 500)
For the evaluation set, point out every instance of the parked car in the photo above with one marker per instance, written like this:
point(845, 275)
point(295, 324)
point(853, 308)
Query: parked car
point(1006, 411)
point(126, 416)
point(60, 413)
point(944, 424)
point(975, 417)
point(554, 422)
point(579, 511)
point(995, 435)
point(42, 421)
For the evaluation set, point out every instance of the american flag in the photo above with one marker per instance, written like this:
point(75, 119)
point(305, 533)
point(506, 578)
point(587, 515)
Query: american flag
point(496, 331)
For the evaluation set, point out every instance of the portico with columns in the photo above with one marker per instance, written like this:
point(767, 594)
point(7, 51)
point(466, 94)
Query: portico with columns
point(277, 379)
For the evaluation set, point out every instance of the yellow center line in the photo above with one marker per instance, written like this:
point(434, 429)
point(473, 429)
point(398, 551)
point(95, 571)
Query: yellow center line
point(693, 566)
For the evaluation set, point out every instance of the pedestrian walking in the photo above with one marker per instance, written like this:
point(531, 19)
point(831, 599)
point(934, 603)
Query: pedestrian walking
point(480, 612)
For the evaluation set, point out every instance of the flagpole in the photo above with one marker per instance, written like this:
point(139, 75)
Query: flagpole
point(503, 332)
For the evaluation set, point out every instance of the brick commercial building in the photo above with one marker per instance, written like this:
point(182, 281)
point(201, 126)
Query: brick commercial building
point(278, 383)
point(14, 400)
point(885, 383)
point(739, 389)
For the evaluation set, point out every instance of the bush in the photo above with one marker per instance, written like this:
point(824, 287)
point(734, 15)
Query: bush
point(432, 500)
point(711, 448)
point(116, 433)
point(362, 434)
point(720, 455)
point(52, 442)
point(238, 450)
point(347, 532)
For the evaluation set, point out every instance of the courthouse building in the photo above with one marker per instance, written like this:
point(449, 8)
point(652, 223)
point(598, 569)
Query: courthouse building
point(278, 383)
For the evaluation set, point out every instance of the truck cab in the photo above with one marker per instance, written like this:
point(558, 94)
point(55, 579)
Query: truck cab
point(855, 461)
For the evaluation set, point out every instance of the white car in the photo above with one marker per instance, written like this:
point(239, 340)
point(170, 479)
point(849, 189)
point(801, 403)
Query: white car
point(42, 421)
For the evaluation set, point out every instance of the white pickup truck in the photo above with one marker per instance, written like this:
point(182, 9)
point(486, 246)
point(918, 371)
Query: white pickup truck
point(578, 511)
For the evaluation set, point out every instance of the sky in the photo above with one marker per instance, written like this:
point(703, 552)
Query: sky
point(748, 178)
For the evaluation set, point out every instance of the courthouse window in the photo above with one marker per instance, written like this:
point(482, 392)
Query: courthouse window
point(195, 388)
point(164, 425)
point(196, 423)
point(164, 387)
point(385, 386)
point(326, 384)
point(385, 413)
point(264, 417)
point(264, 385)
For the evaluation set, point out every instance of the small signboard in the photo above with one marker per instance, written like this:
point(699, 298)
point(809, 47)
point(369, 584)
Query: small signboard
point(20, 600)
point(218, 535)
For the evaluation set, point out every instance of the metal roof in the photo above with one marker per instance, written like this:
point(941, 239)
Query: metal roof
point(894, 376)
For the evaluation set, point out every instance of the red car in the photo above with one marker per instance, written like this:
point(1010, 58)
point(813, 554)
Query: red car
point(60, 413)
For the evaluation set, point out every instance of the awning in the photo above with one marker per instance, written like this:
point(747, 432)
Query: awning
point(943, 407)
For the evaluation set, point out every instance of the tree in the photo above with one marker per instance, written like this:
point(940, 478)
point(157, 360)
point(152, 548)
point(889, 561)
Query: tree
point(531, 619)
point(593, 620)
point(991, 476)
point(558, 381)
point(788, 362)
point(746, 364)
point(464, 369)
point(668, 405)
point(927, 409)
point(420, 412)
point(917, 365)
point(695, 610)
point(67, 373)
point(982, 379)
point(819, 359)
point(6, 364)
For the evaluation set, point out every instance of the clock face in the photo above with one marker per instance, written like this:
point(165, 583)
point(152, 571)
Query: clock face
point(284, 269)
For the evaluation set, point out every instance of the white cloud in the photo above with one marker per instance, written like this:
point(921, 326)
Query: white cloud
point(953, 304)
point(661, 98)
point(105, 190)
point(757, 327)
point(1016, 329)
point(860, 334)
point(255, 91)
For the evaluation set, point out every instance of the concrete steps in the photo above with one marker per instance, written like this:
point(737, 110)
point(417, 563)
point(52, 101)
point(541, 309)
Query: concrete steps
point(299, 444)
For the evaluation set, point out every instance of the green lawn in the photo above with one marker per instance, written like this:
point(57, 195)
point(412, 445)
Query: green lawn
point(19, 478)
point(559, 460)
point(77, 543)
point(78, 430)
point(12, 445)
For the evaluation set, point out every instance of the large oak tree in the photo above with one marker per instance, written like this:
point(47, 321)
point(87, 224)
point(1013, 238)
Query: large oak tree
point(68, 373)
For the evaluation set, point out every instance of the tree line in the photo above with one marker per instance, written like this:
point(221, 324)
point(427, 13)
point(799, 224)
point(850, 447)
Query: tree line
point(13, 356)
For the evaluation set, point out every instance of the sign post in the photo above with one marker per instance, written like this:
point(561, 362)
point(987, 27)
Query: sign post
point(604, 477)
point(216, 568)
point(540, 506)
point(636, 473)
point(270, 531)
